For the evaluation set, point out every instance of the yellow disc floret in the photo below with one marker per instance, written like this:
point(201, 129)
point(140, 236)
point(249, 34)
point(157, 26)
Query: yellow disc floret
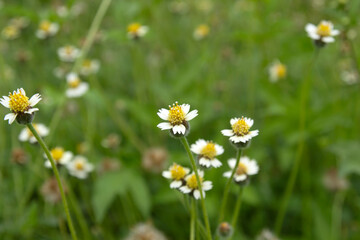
point(74, 83)
point(10, 32)
point(177, 172)
point(241, 169)
point(324, 29)
point(57, 153)
point(133, 28)
point(86, 63)
point(176, 115)
point(241, 128)
point(208, 151)
point(280, 70)
point(191, 182)
point(79, 165)
point(45, 26)
point(18, 102)
point(203, 30)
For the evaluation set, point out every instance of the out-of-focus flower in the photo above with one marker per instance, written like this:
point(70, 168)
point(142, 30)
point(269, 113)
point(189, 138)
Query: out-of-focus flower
point(82, 148)
point(23, 56)
point(266, 234)
point(89, 67)
point(191, 185)
point(178, 7)
point(350, 77)
point(68, 53)
point(111, 141)
point(22, 109)
point(76, 88)
point(277, 71)
point(10, 32)
point(60, 157)
point(51, 192)
point(62, 11)
point(47, 29)
point(19, 156)
point(240, 131)
point(201, 32)
point(154, 159)
point(333, 182)
point(26, 135)
point(19, 22)
point(108, 165)
point(245, 168)
point(322, 33)
point(136, 30)
point(204, 5)
point(145, 231)
point(80, 167)
point(177, 174)
point(60, 72)
point(207, 151)
point(78, 8)
point(225, 230)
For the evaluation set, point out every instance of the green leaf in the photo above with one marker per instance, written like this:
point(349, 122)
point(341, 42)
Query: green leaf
point(140, 193)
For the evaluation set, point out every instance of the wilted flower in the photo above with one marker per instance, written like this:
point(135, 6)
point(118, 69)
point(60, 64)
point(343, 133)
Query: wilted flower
point(191, 185)
point(111, 141)
point(240, 132)
point(201, 31)
point(51, 192)
point(145, 231)
point(89, 67)
point(68, 53)
point(19, 156)
point(207, 151)
point(21, 107)
point(108, 165)
point(154, 159)
point(350, 77)
point(225, 230)
point(26, 135)
point(322, 33)
point(277, 71)
point(333, 182)
point(177, 174)
point(10, 32)
point(60, 157)
point(136, 30)
point(245, 168)
point(47, 29)
point(76, 88)
point(266, 234)
point(79, 167)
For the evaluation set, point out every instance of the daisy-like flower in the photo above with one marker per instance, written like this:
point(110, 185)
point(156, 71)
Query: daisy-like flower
point(89, 67)
point(207, 151)
point(68, 53)
point(136, 31)
point(350, 77)
point(76, 88)
point(277, 71)
point(26, 135)
point(240, 132)
point(10, 32)
point(60, 157)
point(245, 168)
point(177, 117)
point(22, 109)
point(322, 33)
point(80, 167)
point(201, 32)
point(191, 185)
point(20, 22)
point(177, 174)
point(47, 29)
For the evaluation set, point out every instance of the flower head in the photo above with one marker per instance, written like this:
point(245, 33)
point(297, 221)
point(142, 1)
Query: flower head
point(277, 71)
point(89, 67)
point(26, 135)
point(136, 30)
point(244, 169)
point(154, 159)
point(240, 132)
point(10, 32)
point(60, 156)
point(80, 167)
point(145, 231)
point(47, 29)
point(177, 174)
point(68, 53)
point(20, 105)
point(191, 185)
point(322, 33)
point(207, 152)
point(76, 88)
point(20, 22)
point(177, 117)
point(201, 32)
point(51, 192)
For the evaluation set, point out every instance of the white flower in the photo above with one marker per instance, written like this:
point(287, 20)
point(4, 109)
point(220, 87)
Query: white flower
point(277, 71)
point(177, 174)
point(192, 186)
point(10, 32)
point(19, 104)
point(26, 135)
point(177, 117)
point(89, 67)
point(76, 88)
point(68, 53)
point(350, 77)
point(245, 168)
point(240, 131)
point(207, 152)
point(323, 32)
point(136, 30)
point(59, 156)
point(201, 32)
point(20, 22)
point(47, 29)
point(79, 167)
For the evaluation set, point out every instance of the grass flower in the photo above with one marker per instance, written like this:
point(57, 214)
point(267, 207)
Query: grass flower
point(136, 31)
point(191, 185)
point(177, 117)
point(322, 33)
point(207, 151)
point(350, 77)
point(240, 131)
point(277, 71)
point(76, 88)
point(60, 157)
point(154, 159)
point(26, 135)
point(80, 167)
point(245, 168)
point(201, 32)
point(51, 192)
point(89, 67)
point(47, 29)
point(10, 32)
point(21, 107)
point(68, 53)
point(145, 231)
point(177, 174)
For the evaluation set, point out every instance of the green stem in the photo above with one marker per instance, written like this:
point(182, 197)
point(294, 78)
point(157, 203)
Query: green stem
point(192, 222)
point(192, 160)
point(337, 215)
point(57, 176)
point(237, 209)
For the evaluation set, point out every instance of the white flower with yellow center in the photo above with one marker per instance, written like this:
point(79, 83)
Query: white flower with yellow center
point(60, 157)
point(47, 29)
point(136, 30)
point(89, 67)
point(20, 22)
point(191, 185)
point(240, 131)
point(177, 174)
point(177, 117)
point(324, 32)
point(201, 32)
point(76, 88)
point(10, 32)
point(26, 135)
point(244, 169)
point(207, 151)
point(80, 167)
point(277, 71)
point(19, 104)
point(68, 53)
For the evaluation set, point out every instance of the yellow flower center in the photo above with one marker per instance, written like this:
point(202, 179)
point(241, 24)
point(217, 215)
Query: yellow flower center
point(176, 115)
point(68, 50)
point(11, 32)
point(192, 183)
point(203, 30)
point(133, 28)
point(45, 26)
point(74, 83)
point(324, 29)
point(18, 102)
point(177, 172)
point(280, 70)
point(79, 165)
point(208, 151)
point(86, 63)
point(241, 128)
point(57, 153)
point(241, 169)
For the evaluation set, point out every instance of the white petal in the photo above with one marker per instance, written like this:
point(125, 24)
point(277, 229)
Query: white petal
point(227, 174)
point(167, 174)
point(219, 149)
point(163, 114)
point(249, 121)
point(216, 163)
point(239, 178)
point(237, 139)
point(227, 132)
point(205, 162)
point(47, 164)
point(191, 115)
point(310, 28)
point(335, 32)
point(164, 126)
point(233, 121)
point(24, 135)
point(328, 39)
point(22, 91)
point(31, 110)
point(185, 108)
point(232, 162)
point(197, 194)
point(185, 189)
point(34, 99)
point(5, 101)
point(207, 185)
point(254, 133)
point(66, 158)
point(42, 130)
point(11, 117)
point(314, 36)
point(175, 184)
point(32, 140)
point(179, 129)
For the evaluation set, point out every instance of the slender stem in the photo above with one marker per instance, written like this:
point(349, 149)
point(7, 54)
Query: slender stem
point(237, 210)
point(192, 160)
point(337, 215)
point(192, 222)
point(57, 176)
